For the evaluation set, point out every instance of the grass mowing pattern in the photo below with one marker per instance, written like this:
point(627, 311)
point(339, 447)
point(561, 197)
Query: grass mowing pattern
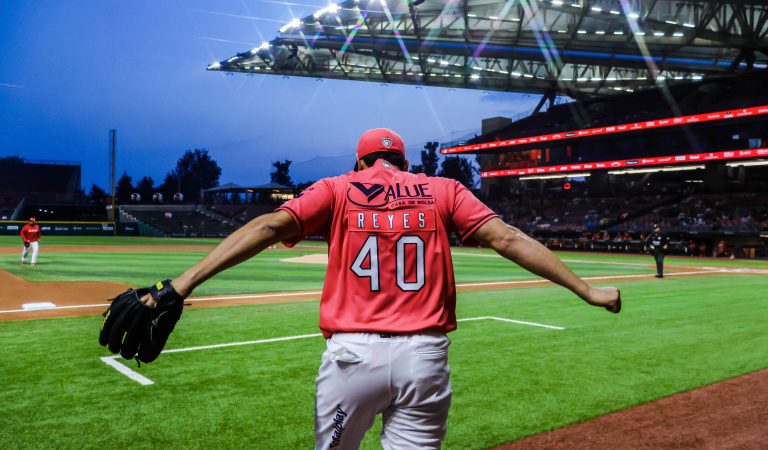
point(509, 381)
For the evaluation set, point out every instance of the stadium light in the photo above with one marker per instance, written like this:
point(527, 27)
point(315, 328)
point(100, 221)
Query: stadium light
point(596, 9)
point(747, 163)
point(554, 177)
point(654, 170)
point(678, 34)
point(214, 66)
point(633, 15)
point(474, 76)
point(294, 23)
point(614, 12)
point(658, 33)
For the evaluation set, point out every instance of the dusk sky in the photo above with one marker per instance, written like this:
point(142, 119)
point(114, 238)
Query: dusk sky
point(72, 70)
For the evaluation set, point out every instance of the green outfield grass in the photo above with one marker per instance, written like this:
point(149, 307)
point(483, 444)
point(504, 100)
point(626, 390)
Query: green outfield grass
point(509, 380)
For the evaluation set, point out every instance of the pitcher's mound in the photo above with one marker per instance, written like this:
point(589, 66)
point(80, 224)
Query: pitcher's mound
point(315, 258)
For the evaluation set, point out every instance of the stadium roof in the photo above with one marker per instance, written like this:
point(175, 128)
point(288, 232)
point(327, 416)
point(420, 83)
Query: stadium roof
point(571, 47)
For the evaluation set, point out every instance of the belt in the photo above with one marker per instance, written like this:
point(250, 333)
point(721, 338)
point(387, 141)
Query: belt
point(392, 335)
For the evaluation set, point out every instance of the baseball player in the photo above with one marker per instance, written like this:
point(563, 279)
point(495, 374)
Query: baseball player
point(30, 234)
point(389, 297)
point(659, 242)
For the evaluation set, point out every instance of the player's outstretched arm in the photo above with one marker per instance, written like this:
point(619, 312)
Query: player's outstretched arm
point(529, 254)
point(248, 241)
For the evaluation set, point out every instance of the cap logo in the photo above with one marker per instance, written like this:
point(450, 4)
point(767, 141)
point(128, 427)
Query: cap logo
point(386, 142)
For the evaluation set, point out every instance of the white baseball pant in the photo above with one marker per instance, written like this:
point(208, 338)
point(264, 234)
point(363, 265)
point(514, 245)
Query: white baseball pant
point(33, 248)
point(406, 378)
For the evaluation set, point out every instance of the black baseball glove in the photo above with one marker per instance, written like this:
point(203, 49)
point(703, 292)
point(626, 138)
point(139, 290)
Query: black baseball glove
point(137, 330)
point(26, 244)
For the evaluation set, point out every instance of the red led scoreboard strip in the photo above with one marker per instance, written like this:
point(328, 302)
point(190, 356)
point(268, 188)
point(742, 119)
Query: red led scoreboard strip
point(623, 128)
point(636, 162)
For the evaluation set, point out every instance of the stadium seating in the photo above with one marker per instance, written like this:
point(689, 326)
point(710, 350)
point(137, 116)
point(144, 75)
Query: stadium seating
point(178, 220)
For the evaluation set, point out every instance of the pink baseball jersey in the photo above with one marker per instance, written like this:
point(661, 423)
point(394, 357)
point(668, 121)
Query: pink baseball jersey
point(389, 260)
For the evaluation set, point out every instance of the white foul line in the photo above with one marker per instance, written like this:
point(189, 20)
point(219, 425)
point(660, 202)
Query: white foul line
point(135, 376)
point(521, 322)
point(144, 381)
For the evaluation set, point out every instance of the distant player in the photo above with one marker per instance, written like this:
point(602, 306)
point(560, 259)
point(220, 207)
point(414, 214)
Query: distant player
point(659, 244)
point(30, 234)
point(390, 295)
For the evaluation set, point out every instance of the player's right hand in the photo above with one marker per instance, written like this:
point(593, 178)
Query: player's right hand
point(608, 297)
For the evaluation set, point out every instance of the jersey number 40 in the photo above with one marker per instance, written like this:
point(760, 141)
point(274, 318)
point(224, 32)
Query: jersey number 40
point(370, 251)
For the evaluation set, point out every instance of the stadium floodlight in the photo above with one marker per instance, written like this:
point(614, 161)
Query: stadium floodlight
point(639, 33)
point(761, 162)
point(633, 15)
point(671, 22)
point(557, 2)
point(471, 15)
point(596, 9)
point(689, 25)
point(658, 33)
point(214, 66)
point(332, 8)
point(600, 32)
point(618, 33)
point(582, 31)
point(493, 17)
point(614, 12)
point(264, 45)
point(294, 23)
point(655, 170)
point(474, 76)
point(443, 62)
point(556, 176)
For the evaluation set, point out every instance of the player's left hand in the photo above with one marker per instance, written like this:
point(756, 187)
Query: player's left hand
point(608, 297)
point(138, 330)
point(26, 244)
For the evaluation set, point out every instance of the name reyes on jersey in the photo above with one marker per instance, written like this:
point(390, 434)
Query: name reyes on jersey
point(392, 221)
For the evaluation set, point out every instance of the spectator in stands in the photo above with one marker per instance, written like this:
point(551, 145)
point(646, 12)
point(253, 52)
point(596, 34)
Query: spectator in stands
point(703, 249)
point(721, 250)
point(691, 247)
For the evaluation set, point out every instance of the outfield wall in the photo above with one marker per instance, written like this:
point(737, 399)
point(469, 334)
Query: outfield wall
point(13, 227)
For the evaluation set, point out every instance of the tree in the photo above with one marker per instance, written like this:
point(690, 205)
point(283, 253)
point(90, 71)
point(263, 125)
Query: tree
point(280, 175)
point(97, 194)
point(145, 187)
point(194, 171)
point(124, 188)
point(417, 168)
point(429, 158)
point(459, 169)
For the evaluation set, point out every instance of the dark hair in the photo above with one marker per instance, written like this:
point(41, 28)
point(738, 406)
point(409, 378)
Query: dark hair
point(396, 159)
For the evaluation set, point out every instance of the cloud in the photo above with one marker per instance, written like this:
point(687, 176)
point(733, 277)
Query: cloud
point(12, 86)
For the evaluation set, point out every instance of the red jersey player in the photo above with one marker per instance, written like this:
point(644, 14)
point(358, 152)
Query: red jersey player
point(389, 296)
point(30, 234)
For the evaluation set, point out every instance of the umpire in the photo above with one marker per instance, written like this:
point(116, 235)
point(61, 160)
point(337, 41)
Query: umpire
point(659, 243)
